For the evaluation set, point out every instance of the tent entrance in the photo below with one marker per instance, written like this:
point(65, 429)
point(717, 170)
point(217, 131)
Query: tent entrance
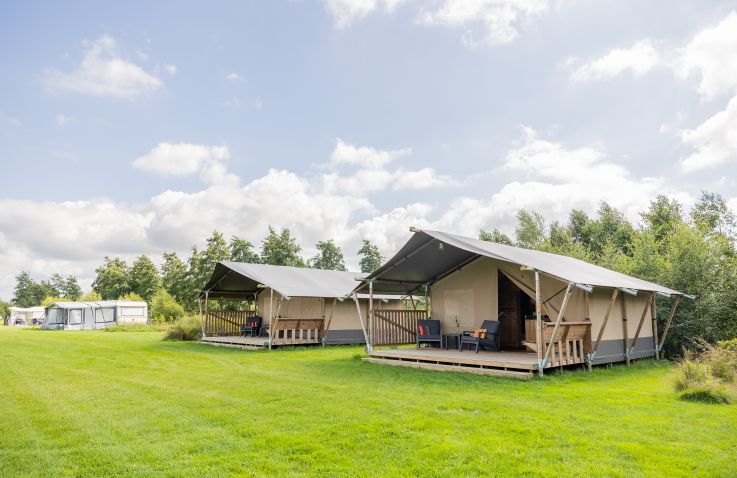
point(515, 305)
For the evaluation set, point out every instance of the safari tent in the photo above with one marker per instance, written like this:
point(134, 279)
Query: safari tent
point(295, 305)
point(25, 315)
point(552, 310)
point(94, 315)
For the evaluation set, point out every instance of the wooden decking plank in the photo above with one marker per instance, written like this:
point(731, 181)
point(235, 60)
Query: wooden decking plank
point(452, 368)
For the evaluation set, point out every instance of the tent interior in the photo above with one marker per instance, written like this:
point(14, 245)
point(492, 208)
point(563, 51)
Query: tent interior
point(606, 316)
point(25, 315)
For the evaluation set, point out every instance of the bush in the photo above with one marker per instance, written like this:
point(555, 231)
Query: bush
point(132, 296)
point(164, 308)
point(184, 328)
point(91, 296)
point(710, 393)
point(51, 299)
point(691, 373)
point(730, 345)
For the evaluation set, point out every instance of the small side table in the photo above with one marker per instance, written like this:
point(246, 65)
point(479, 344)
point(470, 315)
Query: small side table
point(456, 338)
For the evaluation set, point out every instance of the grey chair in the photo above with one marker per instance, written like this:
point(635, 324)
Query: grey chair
point(490, 342)
point(428, 332)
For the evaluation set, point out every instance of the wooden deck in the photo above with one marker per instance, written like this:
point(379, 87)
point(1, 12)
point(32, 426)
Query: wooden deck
point(518, 365)
point(254, 343)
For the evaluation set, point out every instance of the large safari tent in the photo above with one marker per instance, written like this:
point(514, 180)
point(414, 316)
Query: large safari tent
point(555, 310)
point(297, 305)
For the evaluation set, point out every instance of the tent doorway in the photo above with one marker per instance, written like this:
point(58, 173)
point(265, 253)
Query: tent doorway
point(515, 305)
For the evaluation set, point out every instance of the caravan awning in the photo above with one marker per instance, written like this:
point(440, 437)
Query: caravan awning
point(431, 255)
point(242, 280)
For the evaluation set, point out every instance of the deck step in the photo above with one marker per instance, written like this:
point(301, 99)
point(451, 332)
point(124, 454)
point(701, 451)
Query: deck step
point(451, 368)
point(531, 346)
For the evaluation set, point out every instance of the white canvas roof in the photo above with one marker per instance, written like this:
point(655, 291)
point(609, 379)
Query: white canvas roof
point(240, 279)
point(420, 261)
point(101, 303)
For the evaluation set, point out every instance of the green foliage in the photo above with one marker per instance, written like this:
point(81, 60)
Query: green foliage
point(281, 249)
point(711, 215)
point(329, 257)
point(51, 300)
point(112, 278)
point(174, 276)
point(91, 296)
point(530, 230)
point(708, 376)
point(495, 236)
point(4, 309)
point(186, 328)
point(370, 257)
point(29, 293)
point(691, 373)
point(132, 296)
point(67, 288)
point(164, 308)
point(730, 344)
point(143, 278)
point(710, 393)
point(241, 250)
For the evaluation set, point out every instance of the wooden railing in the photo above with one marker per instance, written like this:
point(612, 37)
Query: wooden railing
point(395, 327)
point(297, 331)
point(571, 345)
point(225, 322)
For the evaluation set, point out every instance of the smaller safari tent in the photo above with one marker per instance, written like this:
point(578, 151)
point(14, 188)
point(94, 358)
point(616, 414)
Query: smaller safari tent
point(25, 315)
point(94, 315)
point(296, 305)
point(554, 310)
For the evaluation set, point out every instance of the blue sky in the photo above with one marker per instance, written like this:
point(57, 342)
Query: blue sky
point(131, 128)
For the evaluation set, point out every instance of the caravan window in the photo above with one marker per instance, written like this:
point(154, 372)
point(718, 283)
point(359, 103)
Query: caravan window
point(105, 315)
point(75, 317)
point(131, 311)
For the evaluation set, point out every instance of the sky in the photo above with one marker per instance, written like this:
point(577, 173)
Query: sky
point(131, 128)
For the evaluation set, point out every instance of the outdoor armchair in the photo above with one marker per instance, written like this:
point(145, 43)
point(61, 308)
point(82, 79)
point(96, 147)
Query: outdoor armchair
point(428, 332)
point(487, 341)
point(252, 327)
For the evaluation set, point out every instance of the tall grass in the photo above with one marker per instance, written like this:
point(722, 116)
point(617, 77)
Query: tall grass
point(708, 376)
point(184, 328)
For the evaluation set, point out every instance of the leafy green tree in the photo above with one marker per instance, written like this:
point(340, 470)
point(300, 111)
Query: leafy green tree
point(51, 300)
point(4, 309)
point(711, 214)
point(241, 250)
point(29, 293)
point(370, 257)
point(143, 278)
point(132, 296)
point(329, 257)
point(71, 289)
point(663, 217)
point(174, 276)
point(91, 296)
point(530, 230)
point(164, 308)
point(112, 278)
point(495, 236)
point(281, 249)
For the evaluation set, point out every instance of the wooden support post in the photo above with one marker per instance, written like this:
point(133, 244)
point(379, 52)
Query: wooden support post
point(554, 334)
point(271, 317)
point(538, 325)
point(654, 318)
point(372, 320)
point(330, 317)
point(670, 319)
point(639, 325)
point(202, 320)
point(369, 346)
point(625, 333)
point(412, 299)
point(603, 325)
point(427, 309)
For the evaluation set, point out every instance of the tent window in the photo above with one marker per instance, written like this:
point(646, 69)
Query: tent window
point(75, 317)
point(131, 311)
point(105, 315)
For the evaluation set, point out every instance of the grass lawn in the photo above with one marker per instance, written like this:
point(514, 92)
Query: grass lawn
point(129, 404)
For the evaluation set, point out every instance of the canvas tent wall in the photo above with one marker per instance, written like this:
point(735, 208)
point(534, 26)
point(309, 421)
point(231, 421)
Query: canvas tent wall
point(296, 293)
point(94, 315)
point(25, 315)
point(464, 276)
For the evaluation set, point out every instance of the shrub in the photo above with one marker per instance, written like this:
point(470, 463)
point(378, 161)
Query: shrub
point(91, 296)
point(184, 328)
point(51, 299)
point(132, 296)
point(709, 393)
point(691, 373)
point(164, 308)
point(730, 344)
point(722, 363)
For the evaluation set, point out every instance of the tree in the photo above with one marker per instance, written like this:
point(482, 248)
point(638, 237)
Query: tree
point(281, 249)
point(663, 217)
point(241, 250)
point(4, 309)
point(132, 296)
point(711, 214)
point(71, 289)
point(530, 230)
point(174, 276)
point(495, 236)
point(29, 293)
point(164, 308)
point(52, 299)
point(329, 257)
point(112, 278)
point(143, 278)
point(91, 296)
point(370, 257)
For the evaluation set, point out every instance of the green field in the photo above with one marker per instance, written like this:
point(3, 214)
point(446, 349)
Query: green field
point(129, 404)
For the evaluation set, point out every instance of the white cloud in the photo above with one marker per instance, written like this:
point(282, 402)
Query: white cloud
point(365, 156)
point(345, 12)
point(637, 60)
point(233, 76)
point(715, 140)
point(712, 54)
point(9, 120)
point(500, 20)
point(171, 69)
point(103, 72)
point(63, 120)
point(183, 159)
